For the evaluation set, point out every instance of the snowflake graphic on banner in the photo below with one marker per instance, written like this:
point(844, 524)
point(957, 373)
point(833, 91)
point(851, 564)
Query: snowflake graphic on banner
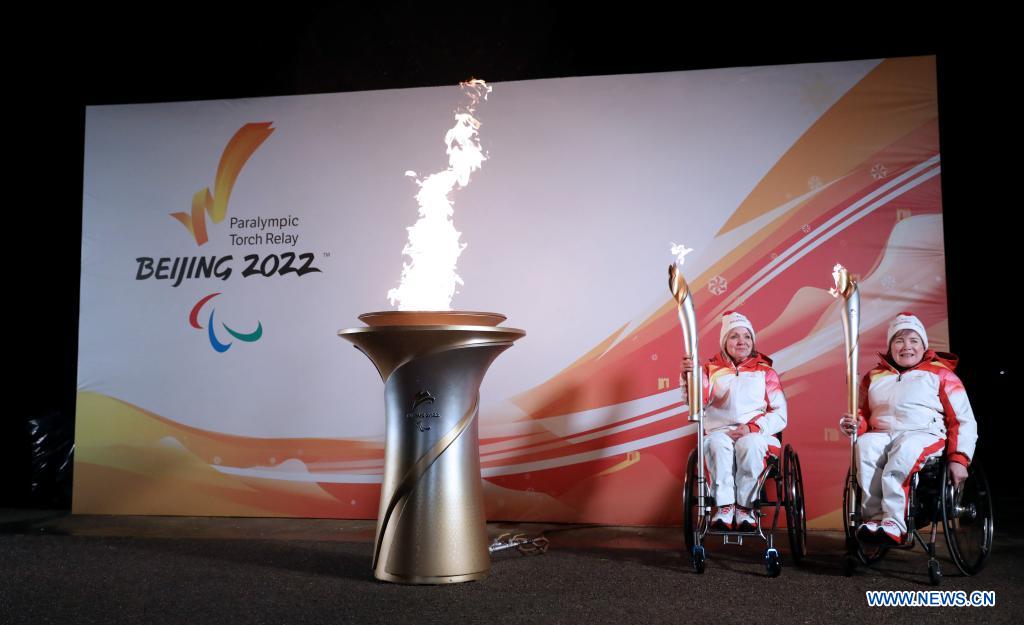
point(879, 171)
point(815, 182)
point(718, 285)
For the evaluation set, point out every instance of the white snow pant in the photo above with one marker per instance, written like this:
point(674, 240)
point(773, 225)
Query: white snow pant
point(733, 467)
point(886, 462)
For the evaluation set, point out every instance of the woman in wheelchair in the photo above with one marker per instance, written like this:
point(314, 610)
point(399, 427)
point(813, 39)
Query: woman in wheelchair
point(913, 408)
point(744, 410)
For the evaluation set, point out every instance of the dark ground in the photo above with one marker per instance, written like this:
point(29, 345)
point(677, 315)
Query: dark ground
point(92, 569)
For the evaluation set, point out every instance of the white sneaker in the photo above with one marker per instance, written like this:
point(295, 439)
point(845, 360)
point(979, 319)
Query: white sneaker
point(745, 519)
point(723, 517)
point(868, 531)
point(892, 533)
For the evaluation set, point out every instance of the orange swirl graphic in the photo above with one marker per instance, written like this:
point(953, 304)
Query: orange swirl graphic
point(237, 152)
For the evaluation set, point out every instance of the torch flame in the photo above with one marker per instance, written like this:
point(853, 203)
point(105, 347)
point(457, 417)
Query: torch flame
point(680, 250)
point(844, 282)
point(429, 279)
point(676, 282)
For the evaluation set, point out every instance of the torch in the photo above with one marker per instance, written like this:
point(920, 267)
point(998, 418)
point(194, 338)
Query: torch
point(694, 381)
point(687, 319)
point(846, 289)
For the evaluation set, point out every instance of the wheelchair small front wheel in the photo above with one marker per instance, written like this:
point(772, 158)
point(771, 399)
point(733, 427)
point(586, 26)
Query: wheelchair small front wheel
point(697, 559)
point(934, 572)
point(772, 562)
point(850, 565)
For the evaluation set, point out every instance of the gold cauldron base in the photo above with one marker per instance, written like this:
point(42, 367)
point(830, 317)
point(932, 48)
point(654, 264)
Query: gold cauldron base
point(431, 527)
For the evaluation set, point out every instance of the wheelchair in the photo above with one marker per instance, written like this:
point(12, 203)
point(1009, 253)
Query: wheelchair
point(788, 494)
point(964, 514)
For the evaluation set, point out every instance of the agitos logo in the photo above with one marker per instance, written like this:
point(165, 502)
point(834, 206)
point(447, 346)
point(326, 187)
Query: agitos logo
point(193, 320)
point(237, 152)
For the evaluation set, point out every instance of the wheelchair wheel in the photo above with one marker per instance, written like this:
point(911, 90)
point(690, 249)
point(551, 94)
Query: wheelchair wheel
point(693, 517)
point(967, 519)
point(796, 517)
point(851, 513)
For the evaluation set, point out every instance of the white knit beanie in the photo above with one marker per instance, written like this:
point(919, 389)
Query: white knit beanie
point(730, 321)
point(906, 321)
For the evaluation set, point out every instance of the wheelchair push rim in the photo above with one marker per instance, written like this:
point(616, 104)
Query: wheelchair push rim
point(967, 520)
point(796, 517)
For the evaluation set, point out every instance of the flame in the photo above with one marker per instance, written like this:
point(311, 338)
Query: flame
point(679, 250)
point(844, 282)
point(429, 279)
